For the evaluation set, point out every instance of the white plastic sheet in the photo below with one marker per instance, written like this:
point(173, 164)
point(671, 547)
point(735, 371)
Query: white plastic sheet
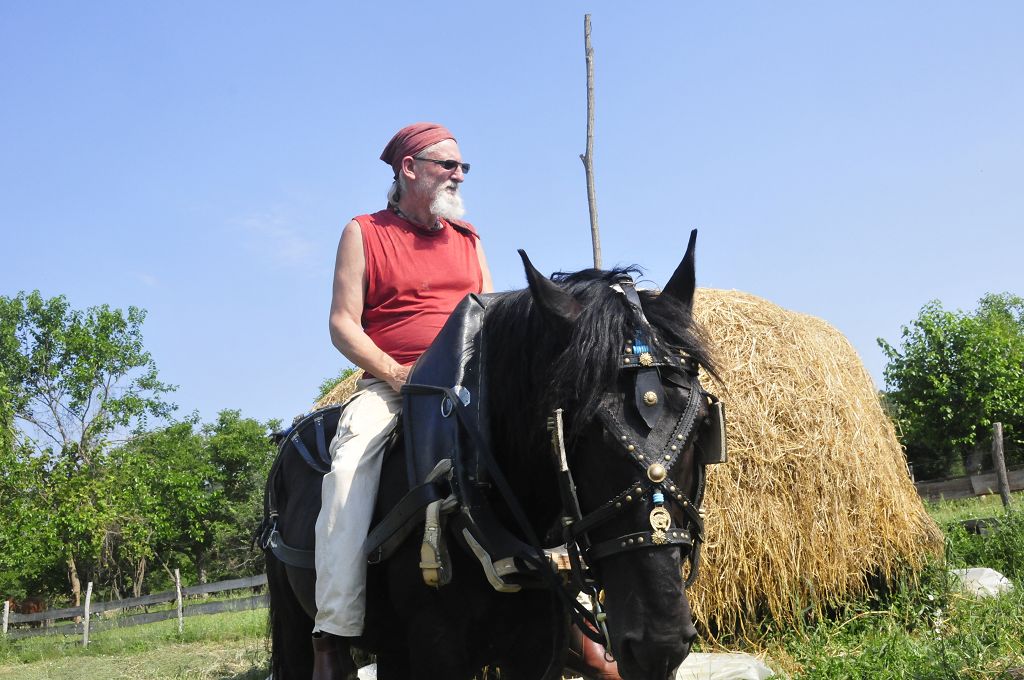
point(982, 581)
point(700, 666)
point(696, 667)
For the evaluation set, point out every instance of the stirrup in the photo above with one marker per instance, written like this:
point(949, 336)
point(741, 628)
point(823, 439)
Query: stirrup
point(435, 563)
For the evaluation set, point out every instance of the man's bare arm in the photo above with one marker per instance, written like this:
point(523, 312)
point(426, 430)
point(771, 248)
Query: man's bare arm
point(347, 312)
point(485, 271)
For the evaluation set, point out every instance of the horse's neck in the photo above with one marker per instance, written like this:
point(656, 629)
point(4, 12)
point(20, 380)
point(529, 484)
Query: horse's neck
point(518, 434)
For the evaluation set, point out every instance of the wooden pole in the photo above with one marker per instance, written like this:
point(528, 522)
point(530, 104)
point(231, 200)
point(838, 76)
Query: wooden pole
point(588, 157)
point(177, 591)
point(999, 463)
point(85, 628)
point(7, 614)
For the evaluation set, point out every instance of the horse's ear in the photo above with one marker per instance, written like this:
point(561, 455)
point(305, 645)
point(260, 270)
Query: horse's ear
point(684, 279)
point(555, 304)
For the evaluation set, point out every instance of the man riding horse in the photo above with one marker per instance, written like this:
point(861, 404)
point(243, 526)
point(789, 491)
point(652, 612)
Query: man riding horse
point(399, 274)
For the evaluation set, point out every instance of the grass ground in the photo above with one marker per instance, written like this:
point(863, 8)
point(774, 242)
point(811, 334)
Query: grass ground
point(926, 630)
point(971, 508)
point(231, 645)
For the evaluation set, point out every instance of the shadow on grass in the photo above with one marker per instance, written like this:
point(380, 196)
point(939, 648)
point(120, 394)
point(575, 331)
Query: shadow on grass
point(261, 673)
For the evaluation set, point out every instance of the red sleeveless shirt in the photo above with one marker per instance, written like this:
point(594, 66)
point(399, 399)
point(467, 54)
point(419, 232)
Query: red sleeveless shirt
point(414, 279)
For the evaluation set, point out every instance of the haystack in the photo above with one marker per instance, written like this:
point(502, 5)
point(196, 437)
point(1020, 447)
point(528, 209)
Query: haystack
point(340, 392)
point(816, 497)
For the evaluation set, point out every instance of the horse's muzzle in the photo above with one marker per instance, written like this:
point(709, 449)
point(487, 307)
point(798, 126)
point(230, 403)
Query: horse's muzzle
point(652, 659)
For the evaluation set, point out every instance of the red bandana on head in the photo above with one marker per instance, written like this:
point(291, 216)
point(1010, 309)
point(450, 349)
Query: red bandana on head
point(412, 139)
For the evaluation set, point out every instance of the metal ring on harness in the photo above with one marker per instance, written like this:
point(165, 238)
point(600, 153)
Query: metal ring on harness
point(447, 405)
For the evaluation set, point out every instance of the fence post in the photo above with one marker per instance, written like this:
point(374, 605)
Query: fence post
point(85, 629)
point(7, 613)
point(999, 462)
point(177, 590)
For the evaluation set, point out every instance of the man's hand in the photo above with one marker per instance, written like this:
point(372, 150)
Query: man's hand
point(397, 376)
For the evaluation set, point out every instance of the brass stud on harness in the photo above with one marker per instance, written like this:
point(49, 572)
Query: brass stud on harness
point(668, 457)
point(646, 359)
point(627, 361)
point(657, 473)
point(650, 398)
point(629, 350)
point(639, 490)
point(629, 499)
point(631, 448)
point(679, 437)
point(624, 437)
point(674, 447)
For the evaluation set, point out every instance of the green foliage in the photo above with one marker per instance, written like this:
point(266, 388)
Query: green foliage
point(922, 626)
point(1000, 548)
point(73, 382)
point(193, 496)
point(327, 385)
point(953, 375)
point(89, 491)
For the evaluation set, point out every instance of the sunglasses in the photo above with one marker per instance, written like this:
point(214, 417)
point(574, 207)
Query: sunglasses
point(447, 165)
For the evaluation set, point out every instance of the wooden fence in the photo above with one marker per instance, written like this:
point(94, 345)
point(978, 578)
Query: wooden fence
point(972, 485)
point(83, 623)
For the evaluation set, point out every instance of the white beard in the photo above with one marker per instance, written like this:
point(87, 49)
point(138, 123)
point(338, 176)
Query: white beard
point(447, 204)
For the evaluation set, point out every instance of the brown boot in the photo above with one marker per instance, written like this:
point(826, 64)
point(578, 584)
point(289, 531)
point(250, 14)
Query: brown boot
point(331, 658)
point(587, 658)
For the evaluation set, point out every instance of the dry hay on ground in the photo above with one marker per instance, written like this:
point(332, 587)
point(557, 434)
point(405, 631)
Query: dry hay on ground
point(816, 497)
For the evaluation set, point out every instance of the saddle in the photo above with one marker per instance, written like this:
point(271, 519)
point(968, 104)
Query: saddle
point(450, 470)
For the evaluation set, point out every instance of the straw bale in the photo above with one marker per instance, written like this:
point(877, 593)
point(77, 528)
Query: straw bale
point(815, 499)
point(340, 392)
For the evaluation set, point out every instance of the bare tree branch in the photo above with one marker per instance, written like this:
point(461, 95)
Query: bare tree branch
point(588, 157)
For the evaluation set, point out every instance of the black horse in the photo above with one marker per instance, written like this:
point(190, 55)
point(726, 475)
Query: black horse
point(622, 365)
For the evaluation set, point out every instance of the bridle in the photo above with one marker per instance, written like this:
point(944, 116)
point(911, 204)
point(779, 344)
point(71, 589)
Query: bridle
point(656, 462)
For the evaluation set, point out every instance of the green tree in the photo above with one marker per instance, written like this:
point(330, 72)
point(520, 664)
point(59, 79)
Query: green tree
point(74, 383)
point(190, 495)
point(952, 376)
point(162, 500)
point(241, 452)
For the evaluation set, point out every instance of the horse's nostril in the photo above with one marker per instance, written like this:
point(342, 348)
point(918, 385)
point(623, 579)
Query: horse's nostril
point(653, 659)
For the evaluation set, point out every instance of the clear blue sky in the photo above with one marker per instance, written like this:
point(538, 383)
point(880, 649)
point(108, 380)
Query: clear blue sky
point(846, 160)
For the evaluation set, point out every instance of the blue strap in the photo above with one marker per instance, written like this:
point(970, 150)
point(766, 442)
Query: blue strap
point(307, 456)
point(321, 442)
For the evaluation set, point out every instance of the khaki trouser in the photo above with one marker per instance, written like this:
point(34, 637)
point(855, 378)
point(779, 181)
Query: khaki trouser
point(349, 493)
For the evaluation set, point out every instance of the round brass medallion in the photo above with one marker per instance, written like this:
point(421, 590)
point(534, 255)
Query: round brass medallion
point(650, 398)
point(646, 359)
point(657, 473)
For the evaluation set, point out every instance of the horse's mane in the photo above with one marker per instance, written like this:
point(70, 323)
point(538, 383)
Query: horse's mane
point(540, 368)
